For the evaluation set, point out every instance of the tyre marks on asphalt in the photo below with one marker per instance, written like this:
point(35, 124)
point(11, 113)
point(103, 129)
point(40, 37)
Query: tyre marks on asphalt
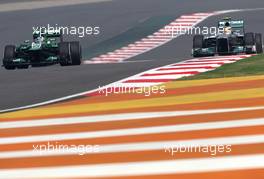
point(162, 36)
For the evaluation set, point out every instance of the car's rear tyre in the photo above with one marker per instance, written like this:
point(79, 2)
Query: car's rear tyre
point(9, 55)
point(258, 39)
point(249, 40)
point(198, 41)
point(76, 51)
point(70, 53)
point(64, 53)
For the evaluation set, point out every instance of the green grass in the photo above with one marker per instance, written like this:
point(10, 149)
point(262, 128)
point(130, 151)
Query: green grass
point(245, 67)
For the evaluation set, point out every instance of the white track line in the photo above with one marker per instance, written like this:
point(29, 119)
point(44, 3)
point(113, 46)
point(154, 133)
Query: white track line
point(200, 70)
point(134, 131)
point(143, 146)
point(190, 66)
point(116, 117)
point(202, 62)
point(140, 168)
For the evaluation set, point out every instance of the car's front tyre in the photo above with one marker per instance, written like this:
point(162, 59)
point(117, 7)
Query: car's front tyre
point(198, 41)
point(249, 40)
point(258, 39)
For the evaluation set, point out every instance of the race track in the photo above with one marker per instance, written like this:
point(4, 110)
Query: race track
point(146, 122)
point(24, 87)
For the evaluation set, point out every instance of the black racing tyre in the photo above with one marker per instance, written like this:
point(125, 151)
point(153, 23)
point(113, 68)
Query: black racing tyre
point(258, 39)
point(70, 53)
point(64, 53)
point(198, 41)
point(249, 39)
point(75, 52)
point(9, 55)
point(223, 46)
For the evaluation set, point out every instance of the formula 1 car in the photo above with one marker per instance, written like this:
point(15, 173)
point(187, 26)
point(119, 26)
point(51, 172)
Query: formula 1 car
point(46, 48)
point(232, 41)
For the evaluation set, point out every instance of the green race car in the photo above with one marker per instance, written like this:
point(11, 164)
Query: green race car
point(232, 41)
point(46, 48)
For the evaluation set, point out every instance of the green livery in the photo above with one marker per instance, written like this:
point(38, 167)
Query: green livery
point(233, 40)
point(47, 48)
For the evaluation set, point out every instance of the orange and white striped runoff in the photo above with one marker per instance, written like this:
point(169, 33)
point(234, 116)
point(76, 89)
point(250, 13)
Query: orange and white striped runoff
point(132, 130)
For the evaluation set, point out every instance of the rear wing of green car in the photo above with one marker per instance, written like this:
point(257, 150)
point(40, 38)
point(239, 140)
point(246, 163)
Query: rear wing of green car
point(53, 33)
point(47, 33)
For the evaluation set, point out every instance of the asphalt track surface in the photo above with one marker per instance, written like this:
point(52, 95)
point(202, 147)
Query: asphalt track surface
point(24, 87)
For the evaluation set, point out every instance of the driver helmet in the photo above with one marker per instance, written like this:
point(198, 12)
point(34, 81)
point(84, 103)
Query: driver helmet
point(227, 28)
point(38, 39)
